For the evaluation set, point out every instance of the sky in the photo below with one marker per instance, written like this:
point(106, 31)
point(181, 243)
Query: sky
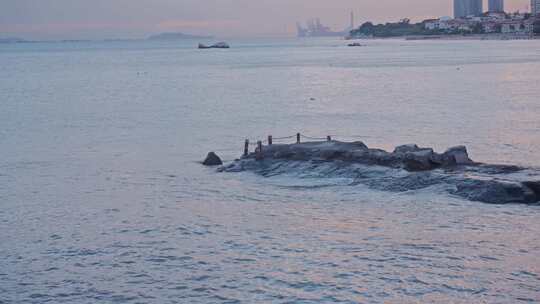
point(108, 19)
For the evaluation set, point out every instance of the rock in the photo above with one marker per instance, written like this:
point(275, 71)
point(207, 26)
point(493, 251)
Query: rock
point(457, 156)
point(236, 166)
point(219, 45)
point(419, 161)
point(382, 158)
point(383, 170)
point(359, 145)
point(300, 155)
point(212, 160)
point(406, 148)
point(331, 154)
point(494, 192)
point(283, 154)
point(534, 187)
point(500, 169)
point(410, 157)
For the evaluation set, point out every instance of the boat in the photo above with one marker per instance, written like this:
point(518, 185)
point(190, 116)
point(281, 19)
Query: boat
point(219, 45)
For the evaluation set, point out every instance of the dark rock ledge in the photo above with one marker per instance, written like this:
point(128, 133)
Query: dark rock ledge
point(422, 168)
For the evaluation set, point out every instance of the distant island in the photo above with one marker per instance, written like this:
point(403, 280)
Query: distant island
point(12, 40)
point(176, 36)
point(157, 37)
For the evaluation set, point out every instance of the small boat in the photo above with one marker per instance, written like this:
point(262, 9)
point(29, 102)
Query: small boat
point(219, 45)
point(355, 44)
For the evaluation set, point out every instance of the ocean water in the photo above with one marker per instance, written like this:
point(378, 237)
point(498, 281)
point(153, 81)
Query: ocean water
point(102, 198)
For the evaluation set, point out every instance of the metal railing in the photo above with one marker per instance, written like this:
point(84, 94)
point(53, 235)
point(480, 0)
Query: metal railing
point(299, 136)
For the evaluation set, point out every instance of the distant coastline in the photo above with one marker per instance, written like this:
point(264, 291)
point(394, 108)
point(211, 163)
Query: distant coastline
point(489, 26)
point(473, 37)
point(172, 36)
point(12, 40)
point(410, 37)
point(176, 36)
point(470, 37)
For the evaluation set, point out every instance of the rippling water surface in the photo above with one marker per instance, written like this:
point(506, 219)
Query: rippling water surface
point(102, 199)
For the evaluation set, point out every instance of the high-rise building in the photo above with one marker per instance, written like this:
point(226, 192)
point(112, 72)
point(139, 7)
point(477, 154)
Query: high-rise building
point(464, 8)
point(535, 7)
point(496, 6)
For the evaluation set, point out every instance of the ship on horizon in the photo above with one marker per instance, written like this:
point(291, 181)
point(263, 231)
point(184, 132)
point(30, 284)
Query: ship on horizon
point(314, 28)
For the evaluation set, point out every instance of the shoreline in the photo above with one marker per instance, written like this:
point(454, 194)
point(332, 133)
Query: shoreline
point(497, 37)
point(473, 37)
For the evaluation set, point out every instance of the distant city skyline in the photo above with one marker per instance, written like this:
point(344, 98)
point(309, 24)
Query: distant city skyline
point(104, 19)
point(464, 8)
point(535, 7)
point(495, 6)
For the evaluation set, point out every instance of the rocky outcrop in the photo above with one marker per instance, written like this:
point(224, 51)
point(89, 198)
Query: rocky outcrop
point(212, 160)
point(495, 191)
point(408, 167)
point(457, 156)
point(219, 45)
point(408, 157)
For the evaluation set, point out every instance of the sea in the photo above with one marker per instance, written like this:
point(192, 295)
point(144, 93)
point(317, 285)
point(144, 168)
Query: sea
point(103, 198)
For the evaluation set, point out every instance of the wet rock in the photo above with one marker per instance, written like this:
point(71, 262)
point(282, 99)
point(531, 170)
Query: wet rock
point(332, 154)
point(301, 155)
point(534, 186)
point(212, 160)
point(494, 192)
point(419, 161)
point(283, 154)
point(359, 145)
point(499, 169)
point(408, 167)
point(236, 166)
point(457, 156)
point(410, 157)
point(406, 148)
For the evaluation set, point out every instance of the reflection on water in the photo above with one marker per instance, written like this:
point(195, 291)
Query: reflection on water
point(102, 199)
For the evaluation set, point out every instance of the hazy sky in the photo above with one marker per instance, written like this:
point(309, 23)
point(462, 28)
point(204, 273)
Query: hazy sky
point(94, 19)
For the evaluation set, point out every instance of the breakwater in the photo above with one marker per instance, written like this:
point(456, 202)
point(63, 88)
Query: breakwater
point(408, 167)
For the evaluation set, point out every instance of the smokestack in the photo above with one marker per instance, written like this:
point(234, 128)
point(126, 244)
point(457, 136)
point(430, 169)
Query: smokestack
point(352, 20)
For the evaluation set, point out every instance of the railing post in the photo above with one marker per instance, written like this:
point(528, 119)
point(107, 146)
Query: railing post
point(269, 140)
point(259, 154)
point(246, 147)
point(329, 138)
point(297, 138)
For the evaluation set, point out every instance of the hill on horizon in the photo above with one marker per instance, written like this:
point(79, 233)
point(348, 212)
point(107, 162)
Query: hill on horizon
point(11, 40)
point(176, 36)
